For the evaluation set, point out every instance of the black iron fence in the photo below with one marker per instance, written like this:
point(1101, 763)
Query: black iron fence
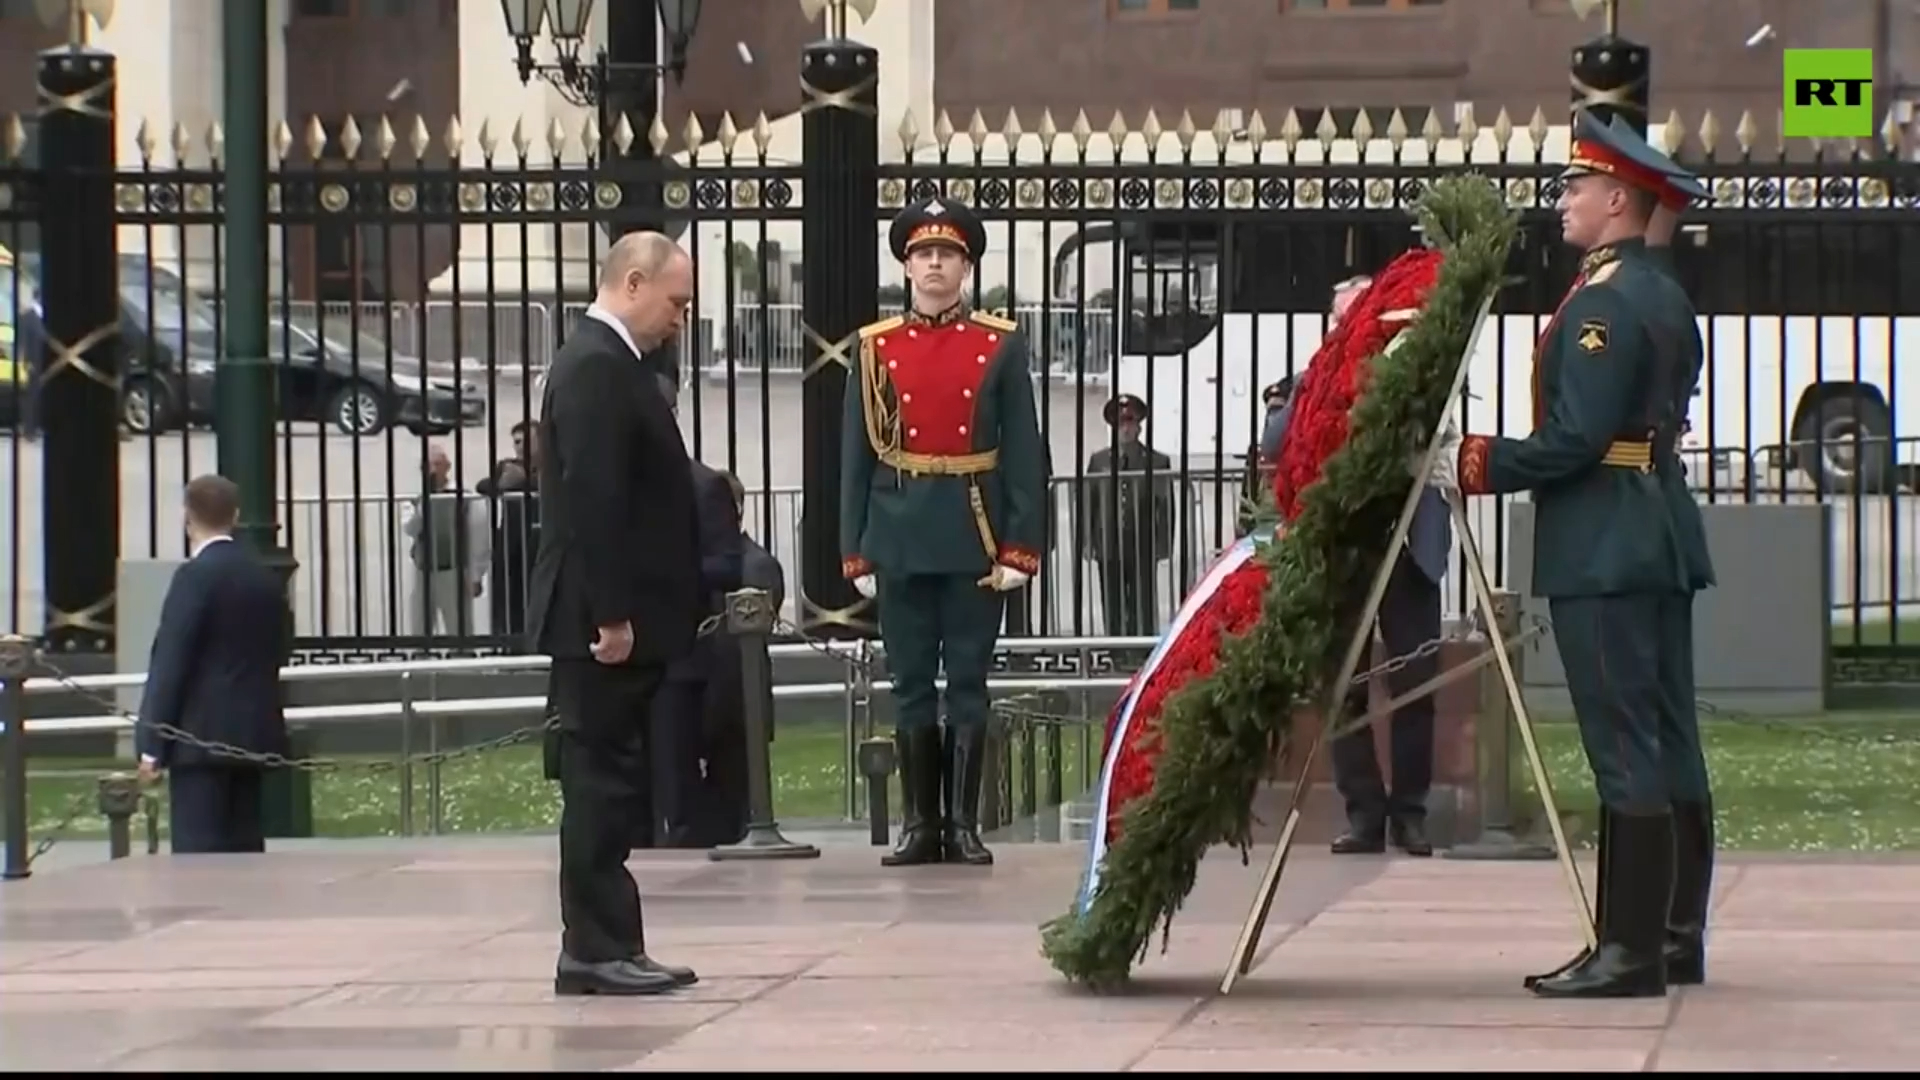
point(424, 276)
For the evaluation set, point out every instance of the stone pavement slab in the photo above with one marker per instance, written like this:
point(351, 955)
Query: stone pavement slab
point(438, 955)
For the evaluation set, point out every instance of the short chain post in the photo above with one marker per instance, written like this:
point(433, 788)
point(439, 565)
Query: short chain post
point(877, 761)
point(1493, 737)
point(16, 663)
point(749, 619)
point(119, 796)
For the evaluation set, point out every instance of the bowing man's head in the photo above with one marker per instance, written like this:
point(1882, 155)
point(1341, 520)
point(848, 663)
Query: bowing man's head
point(646, 281)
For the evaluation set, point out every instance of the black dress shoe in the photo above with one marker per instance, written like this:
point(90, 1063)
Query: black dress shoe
point(611, 978)
point(681, 976)
point(1360, 842)
point(1410, 836)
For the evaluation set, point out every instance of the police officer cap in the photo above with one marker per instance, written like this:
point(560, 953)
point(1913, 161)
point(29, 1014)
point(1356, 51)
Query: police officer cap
point(1126, 403)
point(1277, 392)
point(1615, 149)
point(937, 220)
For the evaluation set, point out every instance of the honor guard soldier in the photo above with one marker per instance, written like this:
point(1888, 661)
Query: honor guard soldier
point(943, 511)
point(1619, 558)
point(1129, 526)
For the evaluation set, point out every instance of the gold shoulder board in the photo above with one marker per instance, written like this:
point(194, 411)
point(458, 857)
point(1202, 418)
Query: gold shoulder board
point(874, 329)
point(994, 322)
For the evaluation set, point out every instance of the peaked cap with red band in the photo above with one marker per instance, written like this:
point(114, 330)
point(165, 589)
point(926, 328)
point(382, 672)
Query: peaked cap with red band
point(937, 220)
point(1615, 149)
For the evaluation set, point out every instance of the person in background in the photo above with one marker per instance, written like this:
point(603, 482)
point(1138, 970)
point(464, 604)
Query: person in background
point(1408, 618)
point(515, 486)
point(452, 549)
point(1130, 517)
point(214, 675)
point(678, 719)
point(724, 767)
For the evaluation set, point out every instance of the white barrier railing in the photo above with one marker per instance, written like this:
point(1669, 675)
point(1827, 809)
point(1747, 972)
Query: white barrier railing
point(509, 664)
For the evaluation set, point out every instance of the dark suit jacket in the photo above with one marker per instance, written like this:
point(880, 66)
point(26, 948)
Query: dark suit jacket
point(617, 522)
point(721, 548)
point(215, 667)
point(1429, 537)
point(760, 570)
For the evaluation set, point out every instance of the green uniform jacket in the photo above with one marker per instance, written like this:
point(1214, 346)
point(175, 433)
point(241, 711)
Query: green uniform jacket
point(965, 382)
point(1609, 375)
point(1686, 509)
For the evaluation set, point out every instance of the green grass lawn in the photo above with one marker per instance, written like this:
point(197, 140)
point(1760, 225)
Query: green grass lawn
point(1839, 782)
point(1905, 631)
point(1835, 783)
point(504, 791)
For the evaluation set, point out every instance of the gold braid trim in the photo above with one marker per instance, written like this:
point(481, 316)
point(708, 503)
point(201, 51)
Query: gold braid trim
point(882, 417)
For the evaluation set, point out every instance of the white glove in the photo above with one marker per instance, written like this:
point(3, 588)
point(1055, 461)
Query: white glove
point(1003, 578)
point(1445, 472)
point(865, 586)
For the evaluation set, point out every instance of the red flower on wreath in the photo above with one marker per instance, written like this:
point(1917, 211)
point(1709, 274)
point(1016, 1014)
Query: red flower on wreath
point(1335, 377)
point(1232, 609)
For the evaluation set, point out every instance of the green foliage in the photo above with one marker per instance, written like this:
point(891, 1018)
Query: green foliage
point(1217, 734)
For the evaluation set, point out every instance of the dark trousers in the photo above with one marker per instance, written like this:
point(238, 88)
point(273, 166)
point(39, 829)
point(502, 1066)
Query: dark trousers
point(603, 768)
point(1128, 593)
point(1409, 618)
point(678, 748)
point(927, 620)
point(214, 809)
point(1680, 751)
point(1610, 649)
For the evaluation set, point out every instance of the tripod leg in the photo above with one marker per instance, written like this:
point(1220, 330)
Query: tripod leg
point(1483, 599)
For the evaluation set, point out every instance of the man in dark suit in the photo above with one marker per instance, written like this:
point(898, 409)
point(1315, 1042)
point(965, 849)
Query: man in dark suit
point(725, 739)
point(1409, 617)
point(214, 675)
point(682, 812)
point(614, 598)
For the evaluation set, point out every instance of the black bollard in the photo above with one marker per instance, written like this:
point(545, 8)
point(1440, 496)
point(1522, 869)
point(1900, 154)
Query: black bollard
point(750, 621)
point(877, 761)
point(119, 798)
point(16, 662)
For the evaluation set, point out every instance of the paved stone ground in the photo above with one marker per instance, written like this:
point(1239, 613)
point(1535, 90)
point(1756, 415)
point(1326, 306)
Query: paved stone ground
point(438, 955)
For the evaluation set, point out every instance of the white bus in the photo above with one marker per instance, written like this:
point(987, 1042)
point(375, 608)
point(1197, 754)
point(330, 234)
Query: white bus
point(1804, 315)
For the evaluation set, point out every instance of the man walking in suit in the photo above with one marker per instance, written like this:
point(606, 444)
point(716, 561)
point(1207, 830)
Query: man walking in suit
point(214, 675)
point(614, 598)
point(1409, 617)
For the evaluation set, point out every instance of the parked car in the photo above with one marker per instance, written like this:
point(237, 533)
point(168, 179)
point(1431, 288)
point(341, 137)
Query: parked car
point(329, 374)
point(172, 340)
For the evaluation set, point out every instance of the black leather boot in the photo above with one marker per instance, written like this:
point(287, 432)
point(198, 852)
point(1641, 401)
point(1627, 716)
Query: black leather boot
point(1599, 906)
point(920, 828)
point(1631, 959)
point(966, 768)
point(1692, 893)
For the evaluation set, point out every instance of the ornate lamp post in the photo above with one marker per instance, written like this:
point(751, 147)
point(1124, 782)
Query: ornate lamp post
point(620, 80)
point(609, 75)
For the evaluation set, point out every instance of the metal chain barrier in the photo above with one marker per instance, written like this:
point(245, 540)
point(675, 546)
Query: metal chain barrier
point(316, 765)
point(81, 805)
